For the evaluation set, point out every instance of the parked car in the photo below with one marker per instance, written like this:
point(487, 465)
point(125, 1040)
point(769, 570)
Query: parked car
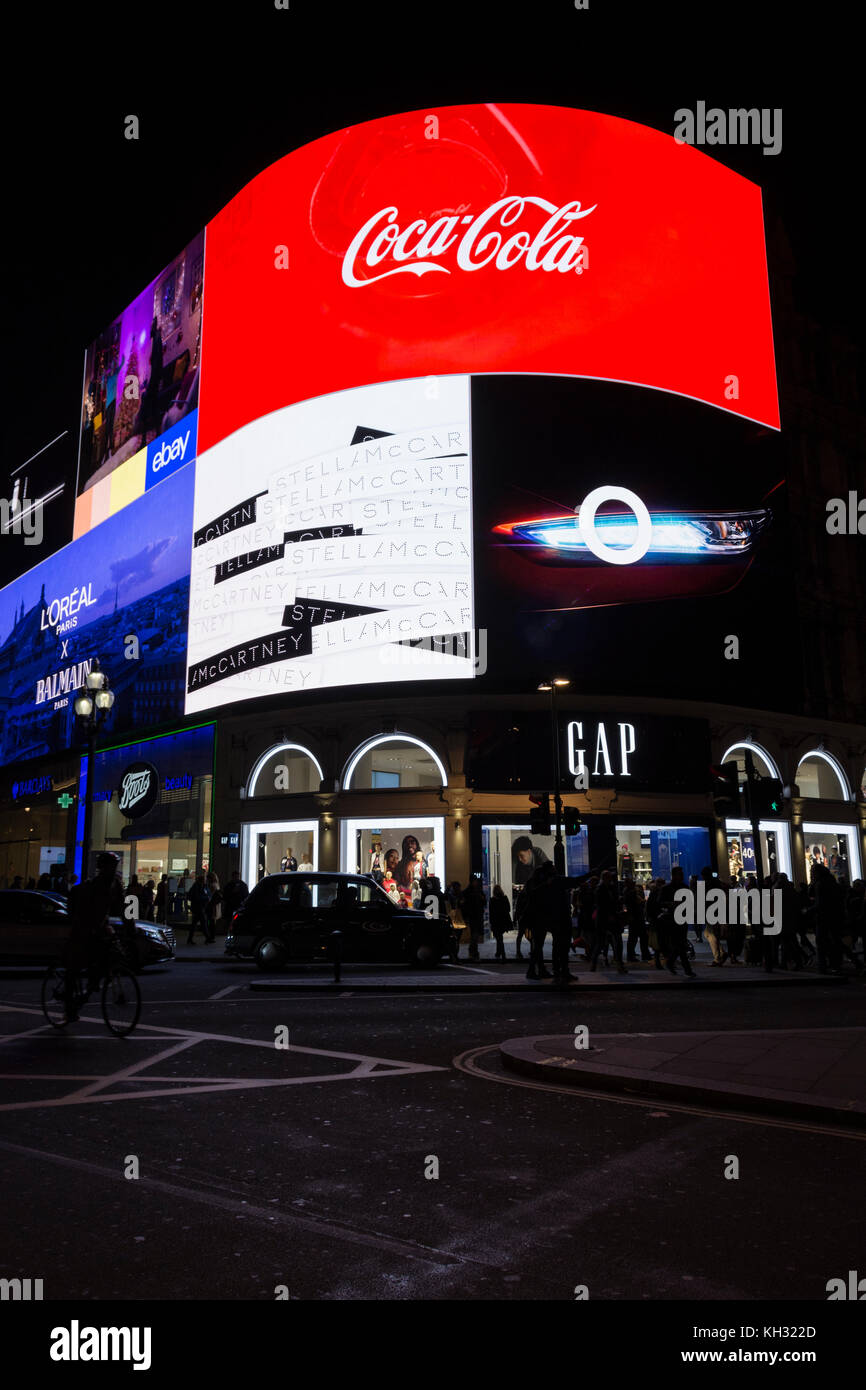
point(34, 927)
point(291, 917)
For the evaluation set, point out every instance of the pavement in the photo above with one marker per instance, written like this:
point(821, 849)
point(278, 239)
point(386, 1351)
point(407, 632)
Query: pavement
point(811, 1074)
point(489, 974)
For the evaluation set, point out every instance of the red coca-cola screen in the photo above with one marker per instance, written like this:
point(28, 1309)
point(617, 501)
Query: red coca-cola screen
point(487, 239)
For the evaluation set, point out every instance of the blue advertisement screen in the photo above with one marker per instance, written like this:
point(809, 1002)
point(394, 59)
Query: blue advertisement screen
point(119, 594)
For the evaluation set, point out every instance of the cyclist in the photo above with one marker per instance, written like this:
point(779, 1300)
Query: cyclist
point(90, 906)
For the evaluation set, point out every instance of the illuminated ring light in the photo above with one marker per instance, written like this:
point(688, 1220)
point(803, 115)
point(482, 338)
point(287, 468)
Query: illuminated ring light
point(280, 748)
point(761, 752)
point(358, 754)
point(586, 524)
point(837, 768)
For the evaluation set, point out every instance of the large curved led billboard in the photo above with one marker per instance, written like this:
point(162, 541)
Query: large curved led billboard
point(487, 238)
point(360, 291)
point(487, 368)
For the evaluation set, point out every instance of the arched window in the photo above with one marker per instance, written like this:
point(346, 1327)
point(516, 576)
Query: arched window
point(821, 777)
point(288, 767)
point(764, 765)
point(391, 761)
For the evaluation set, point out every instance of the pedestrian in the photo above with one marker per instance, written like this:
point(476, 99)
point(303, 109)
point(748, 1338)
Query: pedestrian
point(198, 899)
point(829, 920)
point(676, 932)
point(554, 901)
point(44, 884)
point(500, 919)
point(234, 893)
point(433, 898)
point(852, 922)
point(145, 901)
point(213, 912)
point(472, 904)
point(162, 898)
point(790, 945)
point(585, 917)
point(530, 915)
point(653, 912)
point(634, 902)
point(711, 931)
point(608, 922)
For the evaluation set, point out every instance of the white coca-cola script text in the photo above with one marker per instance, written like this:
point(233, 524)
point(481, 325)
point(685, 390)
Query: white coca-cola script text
point(418, 248)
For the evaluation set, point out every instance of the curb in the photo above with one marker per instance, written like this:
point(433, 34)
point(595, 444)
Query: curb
point(524, 986)
point(518, 1055)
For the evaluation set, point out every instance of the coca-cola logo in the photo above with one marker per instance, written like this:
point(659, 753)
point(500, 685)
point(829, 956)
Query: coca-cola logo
point(472, 241)
point(139, 789)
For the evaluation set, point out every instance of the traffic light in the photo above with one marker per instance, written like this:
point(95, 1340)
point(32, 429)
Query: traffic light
point(766, 796)
point(571, 820)
point(539, 820)
point(725, 787)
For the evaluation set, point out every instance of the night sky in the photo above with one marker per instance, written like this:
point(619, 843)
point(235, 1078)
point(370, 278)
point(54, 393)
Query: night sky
point(222, 92)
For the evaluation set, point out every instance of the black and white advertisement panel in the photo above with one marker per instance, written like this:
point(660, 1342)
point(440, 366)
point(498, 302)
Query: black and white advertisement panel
point(332, 546)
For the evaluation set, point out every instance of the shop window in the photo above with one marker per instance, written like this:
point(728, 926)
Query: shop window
point(775, 850)
point(645, 852)
point(288, 768)
point(819, 777)
point(407, 849)
point(394, 762)
point(834, 846)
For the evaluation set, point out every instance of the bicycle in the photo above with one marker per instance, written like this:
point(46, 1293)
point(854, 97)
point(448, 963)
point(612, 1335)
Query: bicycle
point(120, 994)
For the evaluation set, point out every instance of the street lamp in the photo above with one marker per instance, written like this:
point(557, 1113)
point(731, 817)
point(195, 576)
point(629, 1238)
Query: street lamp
point(92, 707)
point(555, 683)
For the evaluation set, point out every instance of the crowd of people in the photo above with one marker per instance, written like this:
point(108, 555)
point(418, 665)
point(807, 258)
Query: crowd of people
point(626, 921)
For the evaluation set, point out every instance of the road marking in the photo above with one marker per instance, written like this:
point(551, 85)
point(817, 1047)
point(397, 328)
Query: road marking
point(181, 1039)
point(221, 993)
point(467, 1063)
point(475, 970)
point(321, 1226)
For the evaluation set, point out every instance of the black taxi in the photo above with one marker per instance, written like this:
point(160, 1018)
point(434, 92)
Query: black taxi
point(291, 917)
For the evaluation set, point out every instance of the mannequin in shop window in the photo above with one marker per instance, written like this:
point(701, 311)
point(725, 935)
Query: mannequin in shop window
point(288, 863)
point(405, 871)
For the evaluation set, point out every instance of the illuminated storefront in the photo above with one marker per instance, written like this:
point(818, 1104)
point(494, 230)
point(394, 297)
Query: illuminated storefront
point(152, 805)
point(37, 820)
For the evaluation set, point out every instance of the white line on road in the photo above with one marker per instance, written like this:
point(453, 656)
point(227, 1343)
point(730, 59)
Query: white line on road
point(320, 1226)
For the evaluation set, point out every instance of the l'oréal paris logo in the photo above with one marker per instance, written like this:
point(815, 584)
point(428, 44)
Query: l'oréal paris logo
point(62, 613)
point(480, 241)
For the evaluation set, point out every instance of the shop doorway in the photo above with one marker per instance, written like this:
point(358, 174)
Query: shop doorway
point(644, 852)
point(268, 845)
point(510, 854)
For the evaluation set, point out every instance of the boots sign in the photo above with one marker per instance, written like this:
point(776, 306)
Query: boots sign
point(139, 790)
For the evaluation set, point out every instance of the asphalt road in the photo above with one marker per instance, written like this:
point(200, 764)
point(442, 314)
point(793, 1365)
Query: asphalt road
point(304, 1167)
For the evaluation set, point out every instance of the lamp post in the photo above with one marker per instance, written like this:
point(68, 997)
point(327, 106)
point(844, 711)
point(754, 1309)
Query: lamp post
point(92, 707)
point(559, 843)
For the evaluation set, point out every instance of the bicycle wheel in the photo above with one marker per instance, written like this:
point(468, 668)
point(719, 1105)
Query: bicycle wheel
point(54, 996)
point(121, 1000)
